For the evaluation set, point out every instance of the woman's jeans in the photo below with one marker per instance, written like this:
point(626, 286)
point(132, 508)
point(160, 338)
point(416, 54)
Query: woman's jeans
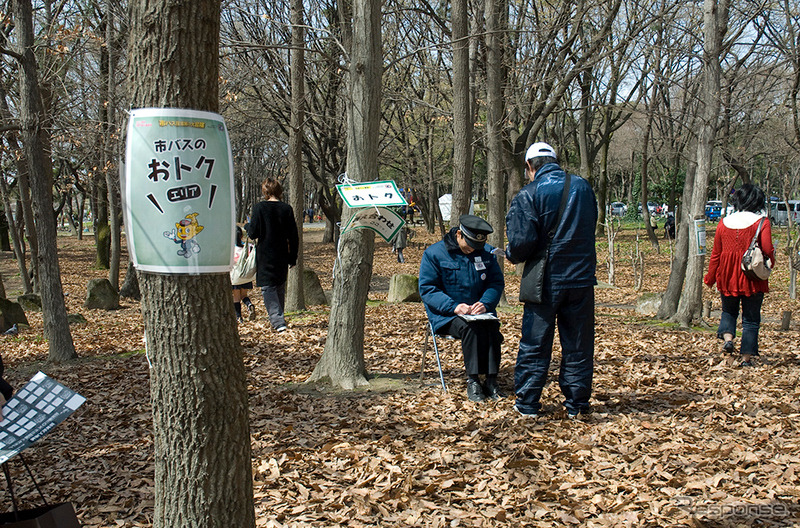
point(274, 301)
point(751, 320)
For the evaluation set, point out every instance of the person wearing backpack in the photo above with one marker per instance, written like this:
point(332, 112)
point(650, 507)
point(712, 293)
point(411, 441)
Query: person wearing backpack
point(731, 240)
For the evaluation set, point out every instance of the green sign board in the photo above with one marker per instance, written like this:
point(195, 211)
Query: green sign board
point(178, 191)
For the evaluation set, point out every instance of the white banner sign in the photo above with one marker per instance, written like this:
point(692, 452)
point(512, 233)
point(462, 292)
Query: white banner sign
point(383, 221)
point(370, 194)
point(700, 233)
point(179, 196)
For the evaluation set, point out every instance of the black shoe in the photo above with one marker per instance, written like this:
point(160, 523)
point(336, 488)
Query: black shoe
point(475, 391)
point(492, 389)
point(727, 347)
point(746, 363)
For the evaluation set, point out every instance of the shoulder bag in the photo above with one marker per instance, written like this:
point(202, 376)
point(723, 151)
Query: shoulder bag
point(531, 286)
point(244, 270)
point(754, 265)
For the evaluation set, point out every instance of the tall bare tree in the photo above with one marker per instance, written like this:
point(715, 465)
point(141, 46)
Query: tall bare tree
point(462, 112)
point(295, 300)
point(203, 476)
point(342, 361)
point(715, 26)
point(496, 13)
point(32, 118)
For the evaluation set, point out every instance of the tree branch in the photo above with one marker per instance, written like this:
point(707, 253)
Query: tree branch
point(14, 54)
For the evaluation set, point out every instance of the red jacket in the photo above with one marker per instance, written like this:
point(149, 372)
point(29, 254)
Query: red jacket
point(731, 240)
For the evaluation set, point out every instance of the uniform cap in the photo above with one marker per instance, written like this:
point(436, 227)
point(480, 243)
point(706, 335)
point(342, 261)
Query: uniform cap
point(474, 229)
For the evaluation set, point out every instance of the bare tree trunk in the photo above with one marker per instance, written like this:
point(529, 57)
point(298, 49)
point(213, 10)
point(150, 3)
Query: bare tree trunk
point(112, 176)
point(295, 298)
point(15, 239)
point(342, 362)
point(54, 311)
point(602, 184)
point(651, 108)
point(203, 475)
point(715, 22)
point(495, 154)
point(462, 113)
point(433, 198)
point(684, 228)
point(130, 287)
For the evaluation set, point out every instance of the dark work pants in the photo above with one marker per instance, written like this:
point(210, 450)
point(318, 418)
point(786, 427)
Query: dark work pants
point(751, 320)
point(274, 301)
point(480, 344)
point(573, 311)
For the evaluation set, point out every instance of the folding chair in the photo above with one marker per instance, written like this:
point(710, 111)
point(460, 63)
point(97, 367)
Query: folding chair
point(429, 332)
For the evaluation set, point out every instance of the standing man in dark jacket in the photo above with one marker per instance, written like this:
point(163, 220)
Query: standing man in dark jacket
point(459, 277)
point(569, 281)
point(272, 225)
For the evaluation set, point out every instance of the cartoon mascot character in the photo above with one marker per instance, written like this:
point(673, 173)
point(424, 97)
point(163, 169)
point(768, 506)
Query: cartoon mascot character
point(184, 234)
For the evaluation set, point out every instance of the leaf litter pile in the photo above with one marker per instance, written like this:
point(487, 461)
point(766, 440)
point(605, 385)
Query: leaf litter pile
point(680, 435)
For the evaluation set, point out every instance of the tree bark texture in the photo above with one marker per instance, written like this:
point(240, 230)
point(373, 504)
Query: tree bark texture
point(462, 113)
point(651, 234)
point(495, 152)
point(200, 413)
point(342, 361)
point(683, 229)
point(203, 473)
point(295, 298)
point(15, 238)
point(495, 112)
point(130, 286)
point(54, 311)
point(113, 177)
point(24, 197)
point(715, 19)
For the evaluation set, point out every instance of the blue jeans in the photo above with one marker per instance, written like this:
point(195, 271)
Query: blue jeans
point(274, 301)
point(751, 320)
point(573, 309)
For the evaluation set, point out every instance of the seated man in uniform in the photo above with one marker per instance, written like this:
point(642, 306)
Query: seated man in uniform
point(459, 278)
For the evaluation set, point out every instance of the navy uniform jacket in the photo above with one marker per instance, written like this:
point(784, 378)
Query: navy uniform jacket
point(572, 260)
point(448, 277)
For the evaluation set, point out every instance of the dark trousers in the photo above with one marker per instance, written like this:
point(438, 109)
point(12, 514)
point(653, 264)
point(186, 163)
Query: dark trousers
point(751, 320)
point(573, 311)
point(480, 344)
point(274, 301)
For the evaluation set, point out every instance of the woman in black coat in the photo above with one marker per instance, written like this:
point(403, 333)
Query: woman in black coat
point(273, 227)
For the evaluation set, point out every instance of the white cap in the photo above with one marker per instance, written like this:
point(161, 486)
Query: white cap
point(538, 150)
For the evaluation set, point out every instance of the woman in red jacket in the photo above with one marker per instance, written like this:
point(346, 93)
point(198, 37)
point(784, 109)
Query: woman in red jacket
point(731, 240)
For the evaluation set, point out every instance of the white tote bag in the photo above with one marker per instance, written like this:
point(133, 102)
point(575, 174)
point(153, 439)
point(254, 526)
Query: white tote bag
point(244, 270)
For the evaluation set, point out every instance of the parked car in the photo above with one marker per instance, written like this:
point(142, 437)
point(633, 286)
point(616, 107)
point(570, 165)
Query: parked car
point(652, 208)
point(780, 215)
point(617, 209)
point(713, 209)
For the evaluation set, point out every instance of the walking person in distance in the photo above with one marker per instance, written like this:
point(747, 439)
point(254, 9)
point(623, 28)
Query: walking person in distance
point(731, 239)
point(273, 227)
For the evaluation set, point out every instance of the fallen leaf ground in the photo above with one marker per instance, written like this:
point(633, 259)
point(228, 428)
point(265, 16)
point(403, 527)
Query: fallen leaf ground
point(680, 436)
